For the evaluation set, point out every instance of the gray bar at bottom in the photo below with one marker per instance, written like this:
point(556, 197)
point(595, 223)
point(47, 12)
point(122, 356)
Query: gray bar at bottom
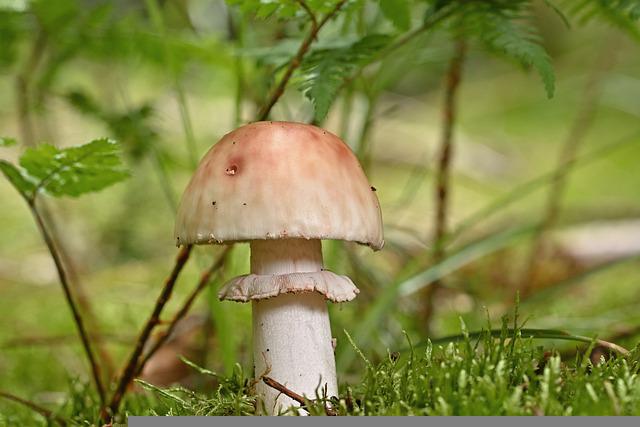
point(384, 421)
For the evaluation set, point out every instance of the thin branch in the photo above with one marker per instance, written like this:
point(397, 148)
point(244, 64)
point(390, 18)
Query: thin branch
point(277, 92)
point(566, 160)
point(132, 363)
point(293, 395)
point(303, 4)
point(23, 96)
point(205, 278)
point(77, 317)
point(399, 43)
point(22, 83)
point(443, 172)
point(34, 407)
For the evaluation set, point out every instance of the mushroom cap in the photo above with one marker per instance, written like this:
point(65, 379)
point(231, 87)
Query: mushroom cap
point(275, 180)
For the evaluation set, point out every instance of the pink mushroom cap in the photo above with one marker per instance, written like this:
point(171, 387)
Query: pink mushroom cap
point(277, 180)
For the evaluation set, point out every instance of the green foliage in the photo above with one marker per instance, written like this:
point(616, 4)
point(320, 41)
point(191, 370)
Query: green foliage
point(324, 71)
point(505, 27)
point(493, 372)
point(398, 12)
point(233, 396)
point(623, 14)
point(18, 179)
point(281, 8)
point(67, 172)
point(504, 376)
point(7, 142)
point(131, 127)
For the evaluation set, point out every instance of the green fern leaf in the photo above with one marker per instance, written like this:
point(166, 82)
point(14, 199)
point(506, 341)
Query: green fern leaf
point(507, 29)
point(325, 70)
point(398, 12)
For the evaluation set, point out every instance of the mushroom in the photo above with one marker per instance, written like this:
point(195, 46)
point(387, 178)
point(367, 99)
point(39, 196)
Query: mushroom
point(283, 187)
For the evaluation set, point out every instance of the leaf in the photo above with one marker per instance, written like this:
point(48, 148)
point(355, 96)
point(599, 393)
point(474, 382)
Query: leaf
point(16, 177)
point(506, 27)
point(623, 14)
point(398, 12)
point(266, 8)
point(324, 71)
point(76, 170)
point(7, 142)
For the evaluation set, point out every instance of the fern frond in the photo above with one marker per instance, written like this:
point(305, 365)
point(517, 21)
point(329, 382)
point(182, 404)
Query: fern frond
point(622, 14)
point(506, 27)
point(325, 70)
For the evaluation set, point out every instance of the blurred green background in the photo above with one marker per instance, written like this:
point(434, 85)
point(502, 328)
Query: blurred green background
point(168, 78)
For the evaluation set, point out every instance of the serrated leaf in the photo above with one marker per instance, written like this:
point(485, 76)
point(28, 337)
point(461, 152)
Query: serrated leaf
point(7, 142)
point(76, 170)
point(16, 177)
point(507, 30)
point(324, 70)
point(623, 14)
point(398, 12)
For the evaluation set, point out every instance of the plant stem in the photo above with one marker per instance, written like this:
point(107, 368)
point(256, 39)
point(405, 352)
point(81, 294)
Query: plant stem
point(23, 80)
point(84, 337)
point(35, 407)
point(236, 33)
point(566, 161)
point(23, 98)
point(205, 278)
point(443, 172)
point(278, 91)
point(132, 363)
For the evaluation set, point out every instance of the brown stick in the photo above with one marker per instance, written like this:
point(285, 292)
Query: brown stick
point(277, 92)
point(566, 160)
point(34, 407)
point(132, 363)
point(397, 44)
point(292, 394)
point(182, 312)
point(84, 336)
point(443, 173)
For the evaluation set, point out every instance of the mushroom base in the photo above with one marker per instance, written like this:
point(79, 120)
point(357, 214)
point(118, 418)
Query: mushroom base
point(293, 345)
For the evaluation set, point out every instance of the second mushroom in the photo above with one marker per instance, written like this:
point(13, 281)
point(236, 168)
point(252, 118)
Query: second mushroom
point(283, 187)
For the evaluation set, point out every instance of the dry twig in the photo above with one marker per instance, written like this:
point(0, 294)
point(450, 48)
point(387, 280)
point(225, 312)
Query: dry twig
point(77, 317)
point(205, 278)
point(445, 156)
point(293, 395)
point(277, 92)
point(34, 407)
point(132, 363)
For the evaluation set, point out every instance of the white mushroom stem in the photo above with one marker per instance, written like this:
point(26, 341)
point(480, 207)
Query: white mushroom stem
point(291, 332)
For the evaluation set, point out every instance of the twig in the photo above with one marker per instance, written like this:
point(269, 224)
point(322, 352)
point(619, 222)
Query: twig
point(292, 394)
point(443, 172)
point(35, 407)
point(568, 153)
point(84, 337)
point(132, 363)
point(277, 92)
point(202, 283)
point(24, 109)
point(303, 4)
point(397, 44)
point(22, 82)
